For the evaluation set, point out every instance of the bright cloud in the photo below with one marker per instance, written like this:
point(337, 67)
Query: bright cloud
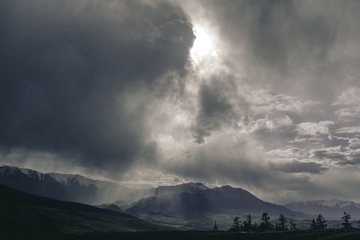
point(313, 129)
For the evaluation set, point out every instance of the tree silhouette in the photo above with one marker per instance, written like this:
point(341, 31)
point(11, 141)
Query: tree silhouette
point(282, 224)
point(313, 225)
point(346, 221)
point(293, 226)
point(236, 223)
point(321, 222)
point(265, 224)
point(247, 223)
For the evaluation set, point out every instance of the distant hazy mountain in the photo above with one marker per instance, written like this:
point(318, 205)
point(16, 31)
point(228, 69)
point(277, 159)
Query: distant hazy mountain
point(219, 200)
point(333, 208)
point(27, 216)
point(58, 186)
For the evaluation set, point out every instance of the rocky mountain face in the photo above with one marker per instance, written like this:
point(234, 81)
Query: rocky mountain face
point(332, 209)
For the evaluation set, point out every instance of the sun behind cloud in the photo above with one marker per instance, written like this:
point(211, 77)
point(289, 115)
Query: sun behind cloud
point(203, 44)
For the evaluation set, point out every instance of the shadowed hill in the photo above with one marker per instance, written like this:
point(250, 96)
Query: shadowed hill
point(23, 214)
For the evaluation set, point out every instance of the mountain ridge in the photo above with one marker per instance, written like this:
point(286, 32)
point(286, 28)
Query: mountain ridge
point(218, 199)
point(77, 188)
point(333, 208)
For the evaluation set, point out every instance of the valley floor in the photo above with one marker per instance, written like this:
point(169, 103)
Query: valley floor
point(188, 235)
point(205, 221)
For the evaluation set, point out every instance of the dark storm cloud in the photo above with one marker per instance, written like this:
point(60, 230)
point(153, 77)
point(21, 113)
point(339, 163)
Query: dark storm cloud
point(299, 167)
point(351, 157)
point(215, 108)
point(70, 72)
point(232, 161)
point(275, 41)
point(324, 154)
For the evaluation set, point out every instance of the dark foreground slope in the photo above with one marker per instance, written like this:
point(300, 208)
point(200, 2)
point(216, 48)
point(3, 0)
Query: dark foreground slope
point(26, 215)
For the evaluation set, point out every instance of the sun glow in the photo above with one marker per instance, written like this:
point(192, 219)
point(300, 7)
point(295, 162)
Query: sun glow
point(203, 44)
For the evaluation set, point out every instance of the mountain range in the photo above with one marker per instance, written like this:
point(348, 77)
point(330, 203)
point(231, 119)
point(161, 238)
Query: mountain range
point(330, 209)
point(178, 205)
point(66, 187)
point(77, 188)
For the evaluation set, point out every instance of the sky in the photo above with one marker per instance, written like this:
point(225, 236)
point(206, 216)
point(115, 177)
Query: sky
point(262, 95)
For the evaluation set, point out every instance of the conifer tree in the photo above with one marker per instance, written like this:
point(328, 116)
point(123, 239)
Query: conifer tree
point(282, 224)
point(236, 222)
point(265, 224)
point(321, 222)
point(346, 221)
point(293, 226)
point(247, 223)
point(313, 225)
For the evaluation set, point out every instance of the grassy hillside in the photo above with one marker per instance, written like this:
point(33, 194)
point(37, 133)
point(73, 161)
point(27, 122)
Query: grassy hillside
point(26, 215)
